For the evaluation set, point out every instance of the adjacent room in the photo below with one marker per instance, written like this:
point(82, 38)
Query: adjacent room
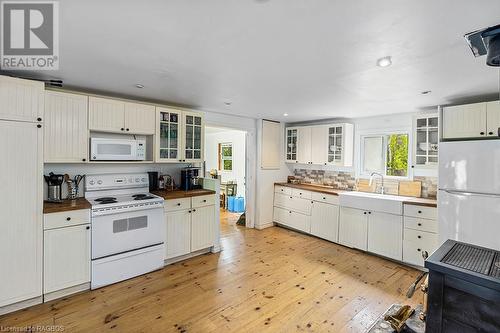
point(250, 166)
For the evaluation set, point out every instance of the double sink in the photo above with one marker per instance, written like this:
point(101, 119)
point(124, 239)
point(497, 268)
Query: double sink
point(385, 203)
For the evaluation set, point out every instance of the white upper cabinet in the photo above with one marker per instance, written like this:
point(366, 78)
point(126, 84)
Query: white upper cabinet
point(304, 142)
point(168, 135)
point(320, 145)
point(65, 132)
point(21, 100)
point(140, 118)
point(426, 140)
point(193, 139)
point(110, 115)
point(107, 115)
point(493, 119)
point(464, 121)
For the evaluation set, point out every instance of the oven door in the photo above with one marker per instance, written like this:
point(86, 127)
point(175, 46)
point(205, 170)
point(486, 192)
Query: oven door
point(113, 150)
point(119, 233)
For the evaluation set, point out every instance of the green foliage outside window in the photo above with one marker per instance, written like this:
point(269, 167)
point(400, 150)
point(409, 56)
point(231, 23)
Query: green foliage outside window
point(397, 155)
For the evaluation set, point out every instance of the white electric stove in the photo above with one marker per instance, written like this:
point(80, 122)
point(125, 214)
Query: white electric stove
point(128, 227)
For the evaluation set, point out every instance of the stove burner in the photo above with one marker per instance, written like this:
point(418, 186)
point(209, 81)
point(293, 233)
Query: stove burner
point(139, 195)
point(102, 202)
point(145, 197)
point(105, 199)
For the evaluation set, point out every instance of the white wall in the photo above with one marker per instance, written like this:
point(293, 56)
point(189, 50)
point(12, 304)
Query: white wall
point(237, 139)
point(266, 180)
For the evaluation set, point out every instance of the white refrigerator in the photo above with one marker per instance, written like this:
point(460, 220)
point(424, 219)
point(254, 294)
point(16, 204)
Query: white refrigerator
point(469, 192)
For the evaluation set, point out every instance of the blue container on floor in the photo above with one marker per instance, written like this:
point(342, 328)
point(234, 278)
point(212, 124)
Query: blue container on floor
point(230, 203)
point(239, 205)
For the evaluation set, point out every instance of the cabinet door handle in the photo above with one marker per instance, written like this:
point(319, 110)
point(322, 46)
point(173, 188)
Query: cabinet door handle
point(122, 129)
point(482, 133)
point(39, 126)
point(68, 219)
point(369, 212)
point(178, 204)
point(490, 133)
point(128, 129)
point(419, 224)
point(87, 227)
point(419, 250)
point(312, 202)
point(420, 212)
point(290, 197)
point(84, 159)
point(419, 237)
point(194, 210)
point(205, 200)
point(324, 198)
point(39, 119)
point(189, 211)
point(364, 213)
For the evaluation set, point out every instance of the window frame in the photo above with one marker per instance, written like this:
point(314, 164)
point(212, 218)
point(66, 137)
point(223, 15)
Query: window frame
point(225, 158)
point(384, 135)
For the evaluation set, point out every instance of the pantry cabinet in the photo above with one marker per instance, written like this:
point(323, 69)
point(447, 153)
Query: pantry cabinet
point(331, 144)
point(110, 115)
point(66, 131)
point(479, 120)
point(21, 100)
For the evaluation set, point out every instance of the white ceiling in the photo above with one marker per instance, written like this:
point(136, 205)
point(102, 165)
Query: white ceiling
point(310, 59)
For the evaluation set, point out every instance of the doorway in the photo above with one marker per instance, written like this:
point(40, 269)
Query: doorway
point(225, 159)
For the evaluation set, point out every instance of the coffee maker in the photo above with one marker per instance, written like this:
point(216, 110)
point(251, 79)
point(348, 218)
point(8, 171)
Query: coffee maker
point(54, 182)
point(190, 179)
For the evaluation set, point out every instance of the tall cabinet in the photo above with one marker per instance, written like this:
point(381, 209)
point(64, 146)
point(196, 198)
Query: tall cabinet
point(21, 169)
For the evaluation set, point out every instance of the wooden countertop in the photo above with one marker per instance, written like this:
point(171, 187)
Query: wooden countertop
point(65, 205)
point(176, 194)
point(421, 202)
point(329, 190)
point(313, 188)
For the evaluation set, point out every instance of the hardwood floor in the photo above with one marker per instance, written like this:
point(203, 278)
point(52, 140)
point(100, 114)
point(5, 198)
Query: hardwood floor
point(274, 280)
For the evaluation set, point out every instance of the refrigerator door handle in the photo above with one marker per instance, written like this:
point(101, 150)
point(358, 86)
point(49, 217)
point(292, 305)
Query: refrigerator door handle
point(455, 192)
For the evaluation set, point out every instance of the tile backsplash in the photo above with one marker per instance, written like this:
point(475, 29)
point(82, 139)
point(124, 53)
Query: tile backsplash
point(347, 181)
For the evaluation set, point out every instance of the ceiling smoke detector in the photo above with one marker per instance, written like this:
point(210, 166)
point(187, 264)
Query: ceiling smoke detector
point(486, 42)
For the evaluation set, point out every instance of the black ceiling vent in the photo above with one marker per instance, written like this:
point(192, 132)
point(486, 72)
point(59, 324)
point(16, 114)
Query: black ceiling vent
point(486, 42)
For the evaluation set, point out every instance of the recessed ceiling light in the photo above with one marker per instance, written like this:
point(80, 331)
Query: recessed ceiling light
point(384, 62)
point(285, 114)
point(140, 86)
point(426, 92)
point(227, 103)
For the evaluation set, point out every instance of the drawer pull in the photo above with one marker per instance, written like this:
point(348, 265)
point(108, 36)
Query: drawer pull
point(179, 204)
point(68, 219)
point(419, 236)
point(324, 198)
point(88, 228)
point(281, 190)
point(205, 200)
point(364, 213)
point(290, 197)
point(419, 250)
point(189, 211)
point(300, 193)
point(419, 224)
point(420, 212)
point(194, 210)
point(369, 212)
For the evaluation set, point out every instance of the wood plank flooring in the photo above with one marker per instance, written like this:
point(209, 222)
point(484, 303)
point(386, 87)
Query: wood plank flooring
point(274, 280)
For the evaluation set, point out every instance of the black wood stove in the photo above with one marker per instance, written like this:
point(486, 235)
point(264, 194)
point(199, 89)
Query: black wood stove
point(464, 289)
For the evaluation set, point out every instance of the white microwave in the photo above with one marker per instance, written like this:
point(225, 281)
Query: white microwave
point(102, 149)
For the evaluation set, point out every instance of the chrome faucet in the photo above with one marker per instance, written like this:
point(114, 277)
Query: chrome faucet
point(382, 177)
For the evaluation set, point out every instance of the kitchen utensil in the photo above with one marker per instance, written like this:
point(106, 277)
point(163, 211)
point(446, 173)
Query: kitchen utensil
point(410, 188)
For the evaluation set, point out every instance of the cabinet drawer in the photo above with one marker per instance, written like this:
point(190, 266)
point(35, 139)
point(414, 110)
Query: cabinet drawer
point(283, 189)
point(413, 247)
point(204, 200)
point(66, 219)
point(421, 224)
point(282, 200)
point(326, 198)
point(420, 211)
point(301, 193)
point(300, 205)
point(177, 204)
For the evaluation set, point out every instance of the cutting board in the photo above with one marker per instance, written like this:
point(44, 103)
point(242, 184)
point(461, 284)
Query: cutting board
point(363, 185)
point(410, 189)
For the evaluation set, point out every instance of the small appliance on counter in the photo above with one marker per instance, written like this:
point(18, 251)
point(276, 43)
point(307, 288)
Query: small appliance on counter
point(190, 179)
point(54, 182)
point(153, 181)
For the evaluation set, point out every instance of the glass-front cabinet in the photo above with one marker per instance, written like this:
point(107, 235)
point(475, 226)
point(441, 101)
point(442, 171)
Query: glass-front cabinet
point(193, 137)
point(291, 145)
point(426, 140)
point(169, 123)
point(179, 136)
point(335, 145)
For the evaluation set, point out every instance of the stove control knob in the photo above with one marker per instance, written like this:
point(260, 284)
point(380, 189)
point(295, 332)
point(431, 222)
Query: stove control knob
point(143, 180)
point(130, 180)
point(137, 180)
point(91, 182)
point(99, 182)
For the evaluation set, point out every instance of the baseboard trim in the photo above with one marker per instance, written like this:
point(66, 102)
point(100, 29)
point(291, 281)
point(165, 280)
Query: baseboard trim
point(66, 292)
point(21, 305)
point(264, 226)
point(187, 256)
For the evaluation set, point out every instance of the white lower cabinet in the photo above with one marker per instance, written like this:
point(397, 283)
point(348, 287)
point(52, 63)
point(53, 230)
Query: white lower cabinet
point(202, 228)
point(178, 238)
point(325, 221)
point(385, 235)
point(420, 238)
point(66, 257)
point(190, 225)
point(353, 228)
